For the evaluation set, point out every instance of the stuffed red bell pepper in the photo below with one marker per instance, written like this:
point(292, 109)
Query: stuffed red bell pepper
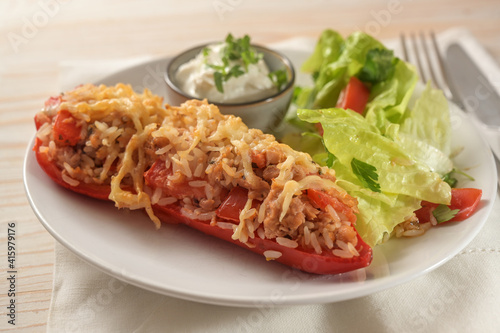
point(241, 185)
point(193, 165)
point(92, 139)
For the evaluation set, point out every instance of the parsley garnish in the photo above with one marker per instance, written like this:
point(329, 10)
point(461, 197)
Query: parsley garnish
point(279, 78)
point(366, 173)
point(224, 72)
point(234, 49)
point(330, 159)
point(448, 178)
point(443, 213)
point(452, 180)
point(218, 77)
point(244, 54)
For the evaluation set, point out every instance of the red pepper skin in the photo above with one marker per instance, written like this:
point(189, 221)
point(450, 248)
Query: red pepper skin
point(304, 260)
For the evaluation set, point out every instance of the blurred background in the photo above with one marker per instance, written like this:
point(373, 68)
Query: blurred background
point(38, 34)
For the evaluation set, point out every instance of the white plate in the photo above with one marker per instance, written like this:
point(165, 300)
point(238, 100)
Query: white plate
point(184, 263)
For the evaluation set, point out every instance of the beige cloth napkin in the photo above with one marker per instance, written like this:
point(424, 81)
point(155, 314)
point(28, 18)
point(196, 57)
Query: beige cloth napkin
point(463, 295)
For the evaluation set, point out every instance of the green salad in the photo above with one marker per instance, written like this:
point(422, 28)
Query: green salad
point(388, 140)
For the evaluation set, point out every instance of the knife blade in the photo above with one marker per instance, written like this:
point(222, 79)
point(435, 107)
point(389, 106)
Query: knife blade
point(475, 94)
point(468, 83)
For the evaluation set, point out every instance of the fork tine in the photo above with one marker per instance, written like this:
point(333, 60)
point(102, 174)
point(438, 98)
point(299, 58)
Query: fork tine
point(402, 39)
point(446, 86)
point(418, 58)
point(434, 78)
point(409, 49)
point(434, 62)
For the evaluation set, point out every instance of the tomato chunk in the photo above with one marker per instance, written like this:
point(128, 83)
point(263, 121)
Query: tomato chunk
point(354, 96)
point(323, 199)
point(466, 200)
point(66, 131)
point(158, 177)
point(259, 159)
point(232, 206)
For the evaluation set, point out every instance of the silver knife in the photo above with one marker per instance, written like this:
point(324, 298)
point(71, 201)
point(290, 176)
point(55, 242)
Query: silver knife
point(474, 94)
point(471, 87)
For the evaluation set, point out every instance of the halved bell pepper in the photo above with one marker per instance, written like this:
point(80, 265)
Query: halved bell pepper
point(304, 259)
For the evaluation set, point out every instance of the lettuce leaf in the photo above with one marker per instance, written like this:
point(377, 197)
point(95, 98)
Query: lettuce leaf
point(404, 181)
point(348, 135)
point(429, 120)
point(327, 50)
point(379, 214)
point(389, 99)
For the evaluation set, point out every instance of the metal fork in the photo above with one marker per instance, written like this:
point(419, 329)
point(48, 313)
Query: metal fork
point(424, 53)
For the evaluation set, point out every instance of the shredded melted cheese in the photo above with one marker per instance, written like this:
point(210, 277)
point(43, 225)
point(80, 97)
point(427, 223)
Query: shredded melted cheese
point(197, 124)
point(145, 111)
point(194, 127)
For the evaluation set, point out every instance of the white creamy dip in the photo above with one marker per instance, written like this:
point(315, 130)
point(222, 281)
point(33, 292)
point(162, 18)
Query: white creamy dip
point(196, 78)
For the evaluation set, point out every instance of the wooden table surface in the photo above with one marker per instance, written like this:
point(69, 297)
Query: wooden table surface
point(35, 36)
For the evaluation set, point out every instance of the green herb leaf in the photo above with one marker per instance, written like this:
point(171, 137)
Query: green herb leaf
point(443, 213)
point(218, 78)
point(448, 178)
point(452, 180)
point(279, 78)
point(234, 71)
point(380, 65)
point(330, 160)
point(297, 91)
point(366, 173)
